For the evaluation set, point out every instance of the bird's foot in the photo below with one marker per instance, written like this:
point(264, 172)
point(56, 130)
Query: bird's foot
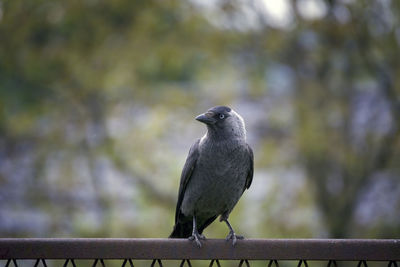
point(196, 237)
point(234, 237)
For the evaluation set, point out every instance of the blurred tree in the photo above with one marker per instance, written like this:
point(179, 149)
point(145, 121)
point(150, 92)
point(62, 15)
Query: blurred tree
point(343, 146)
point(347, 104)
point(97, 100)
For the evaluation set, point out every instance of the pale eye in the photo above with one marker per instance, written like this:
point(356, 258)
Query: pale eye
point(221, 116)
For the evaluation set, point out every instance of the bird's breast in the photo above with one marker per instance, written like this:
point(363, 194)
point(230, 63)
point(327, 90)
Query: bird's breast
point(222, 161)
point(218, 180)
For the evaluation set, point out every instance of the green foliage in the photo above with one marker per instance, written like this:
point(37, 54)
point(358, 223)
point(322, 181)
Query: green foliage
point(97, 100)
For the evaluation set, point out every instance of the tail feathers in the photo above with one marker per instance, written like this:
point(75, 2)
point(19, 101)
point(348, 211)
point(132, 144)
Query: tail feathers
point(185, 229)
point(182, 230)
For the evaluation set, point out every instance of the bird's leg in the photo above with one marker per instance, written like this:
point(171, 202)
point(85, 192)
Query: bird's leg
point(195, 234)
point(232, 235)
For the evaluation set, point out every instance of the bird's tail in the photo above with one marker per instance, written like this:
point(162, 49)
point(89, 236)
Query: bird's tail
point(182, 230)
point(185, 229)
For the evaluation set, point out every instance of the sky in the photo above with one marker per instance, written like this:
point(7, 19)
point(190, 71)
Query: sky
point(277, 14)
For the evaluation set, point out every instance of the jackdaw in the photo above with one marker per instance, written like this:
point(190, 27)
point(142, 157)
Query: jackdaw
point(218, 169)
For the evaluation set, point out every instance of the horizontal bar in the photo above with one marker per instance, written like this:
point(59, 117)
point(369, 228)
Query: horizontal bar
point(251, 249)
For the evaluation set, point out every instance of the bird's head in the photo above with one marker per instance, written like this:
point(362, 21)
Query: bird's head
point(223, 122)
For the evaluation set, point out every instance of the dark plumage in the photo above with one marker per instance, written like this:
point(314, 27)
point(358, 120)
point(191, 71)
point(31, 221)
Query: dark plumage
point(218, 169)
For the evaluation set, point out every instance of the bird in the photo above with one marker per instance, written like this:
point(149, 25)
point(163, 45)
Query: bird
point(218, 169)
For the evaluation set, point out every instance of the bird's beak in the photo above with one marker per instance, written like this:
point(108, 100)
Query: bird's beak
point(206, 118)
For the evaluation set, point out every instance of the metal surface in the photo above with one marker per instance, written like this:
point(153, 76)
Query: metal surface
point(248, 249)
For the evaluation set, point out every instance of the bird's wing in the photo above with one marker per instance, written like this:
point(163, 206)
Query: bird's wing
point(187, 171)
point(250, 172)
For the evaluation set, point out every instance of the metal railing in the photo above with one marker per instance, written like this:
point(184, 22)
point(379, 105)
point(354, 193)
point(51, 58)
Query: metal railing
point(157, 251)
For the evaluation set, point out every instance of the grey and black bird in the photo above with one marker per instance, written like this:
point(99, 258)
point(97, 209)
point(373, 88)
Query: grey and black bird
point(218, 169)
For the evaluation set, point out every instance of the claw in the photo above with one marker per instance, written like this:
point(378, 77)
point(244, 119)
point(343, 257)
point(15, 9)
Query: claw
point(232, 234)
point(195, 235)
point(234, 237)
point(196, 238)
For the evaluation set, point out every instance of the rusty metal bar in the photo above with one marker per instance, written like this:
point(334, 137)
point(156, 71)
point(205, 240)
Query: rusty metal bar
point(249, 249)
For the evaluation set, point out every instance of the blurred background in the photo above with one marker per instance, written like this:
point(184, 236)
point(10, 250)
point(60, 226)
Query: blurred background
point(98, 99)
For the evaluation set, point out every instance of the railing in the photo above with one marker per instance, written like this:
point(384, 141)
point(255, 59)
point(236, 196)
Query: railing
point(157, 251)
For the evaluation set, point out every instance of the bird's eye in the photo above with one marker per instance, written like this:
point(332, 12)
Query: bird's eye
point(221, 116)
